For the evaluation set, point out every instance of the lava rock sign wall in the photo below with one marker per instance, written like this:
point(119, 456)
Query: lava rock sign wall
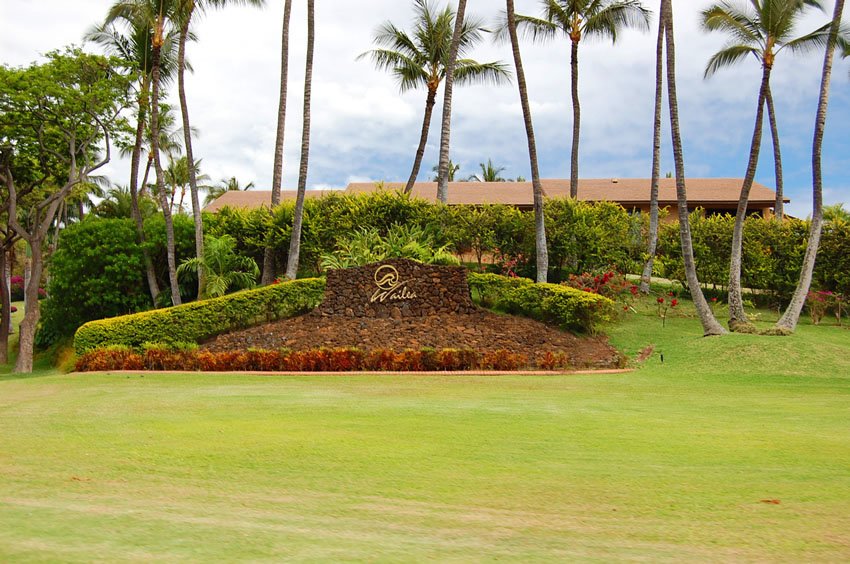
point(396, 288)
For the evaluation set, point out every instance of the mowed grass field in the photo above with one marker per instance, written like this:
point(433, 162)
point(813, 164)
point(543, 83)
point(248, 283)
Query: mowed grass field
point(734, 448)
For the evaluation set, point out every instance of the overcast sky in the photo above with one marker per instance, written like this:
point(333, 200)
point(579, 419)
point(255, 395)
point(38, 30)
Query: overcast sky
point(364, 129)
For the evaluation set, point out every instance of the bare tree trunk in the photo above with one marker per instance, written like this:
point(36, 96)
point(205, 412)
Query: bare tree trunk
point(423, 138)
point(277, 174)
point(656, 160)
point(163, 198)
point(539, 219)
point(779, 205)
point(710, 325)
point(32, 313)
point(5, 307)
point(576, 120)
point(187, 138)
point(791, 317)
point(445, 134)
point(737, 316)
point(298, 216)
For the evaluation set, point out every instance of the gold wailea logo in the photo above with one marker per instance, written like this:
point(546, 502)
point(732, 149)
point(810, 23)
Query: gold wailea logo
point(390, 286)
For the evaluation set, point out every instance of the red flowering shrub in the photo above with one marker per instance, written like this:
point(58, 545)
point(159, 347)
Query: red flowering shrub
point(552, 361)
point(503, 360)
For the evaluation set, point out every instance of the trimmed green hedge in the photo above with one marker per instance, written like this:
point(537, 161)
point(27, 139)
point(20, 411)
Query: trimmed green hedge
point(197, 321)
point(566, 307)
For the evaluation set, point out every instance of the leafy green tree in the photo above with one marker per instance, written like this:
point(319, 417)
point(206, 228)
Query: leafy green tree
point(420, 59)
point(579, 19)
point(57, 119)
point(223, 268)
point(97, 272)
point(836, 214)
point(762, 30)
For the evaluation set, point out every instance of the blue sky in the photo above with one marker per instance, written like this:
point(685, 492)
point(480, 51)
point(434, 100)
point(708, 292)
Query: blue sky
point(363, 129)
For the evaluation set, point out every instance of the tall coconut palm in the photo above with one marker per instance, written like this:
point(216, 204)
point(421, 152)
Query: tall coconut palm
point(277, 174)
point(298, 214)
point(788, 321)
point(187, 10)
point(656, 159)
point(420, 59)
point(537, 187)
point(448, 90)
point(131, 40)
point(160, 17)
point(762, 29)
point(710, 326)
point(579, 19)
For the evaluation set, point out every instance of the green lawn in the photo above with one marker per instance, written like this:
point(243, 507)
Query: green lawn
point(670, 462)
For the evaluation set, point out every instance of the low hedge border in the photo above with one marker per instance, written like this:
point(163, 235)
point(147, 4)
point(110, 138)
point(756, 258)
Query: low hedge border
point(566, 307)
point(197, 321)
point(190, 358)
point(559, 305)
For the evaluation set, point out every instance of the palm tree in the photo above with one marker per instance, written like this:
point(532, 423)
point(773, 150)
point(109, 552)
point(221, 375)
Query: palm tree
point(231, 184)
point(159, 16)
point(446, 127)
point(710, 326)
point(836, 214)
point(537, 188)
point(656, 159)
point(421, 58)
point(132, 42)
point(489, 173)
point(178, 176)
point(578, 19)
point(788, 321)
point(451, 171)
point(222, 267)
point(186, 10)
point(277, 173)
point(298, 214)
point(762, 30)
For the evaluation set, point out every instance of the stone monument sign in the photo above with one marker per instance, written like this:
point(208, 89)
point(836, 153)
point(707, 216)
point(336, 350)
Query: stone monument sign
point(396, 288)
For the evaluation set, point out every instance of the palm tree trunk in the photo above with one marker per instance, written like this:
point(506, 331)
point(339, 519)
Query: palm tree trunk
point(779, 205)
point(737, 316)
point(277, 174)
point(576, 120)
point(656, 160)
point(150, 273)
point(539, 220)
point(163, 199)
point(423, 138)
point(298, 216)
point(445, 136)
point(791, 317)
point(710, 326)
point(187, 137)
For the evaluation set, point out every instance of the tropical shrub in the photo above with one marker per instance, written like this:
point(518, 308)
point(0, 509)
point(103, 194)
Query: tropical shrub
point(97, 271)
point(566, 307)
point(16, 289)
point(194, 322)
point(223, 269)
point(367, 245)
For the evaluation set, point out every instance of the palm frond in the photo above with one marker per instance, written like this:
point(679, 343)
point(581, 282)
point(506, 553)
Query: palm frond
point(743, 25)
point(470, 72)
point(729, 56)
point(611, 19)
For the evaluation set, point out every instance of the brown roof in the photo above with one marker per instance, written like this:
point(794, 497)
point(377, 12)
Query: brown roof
point(626, 191)
point(705, 192)
point(252, 199)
